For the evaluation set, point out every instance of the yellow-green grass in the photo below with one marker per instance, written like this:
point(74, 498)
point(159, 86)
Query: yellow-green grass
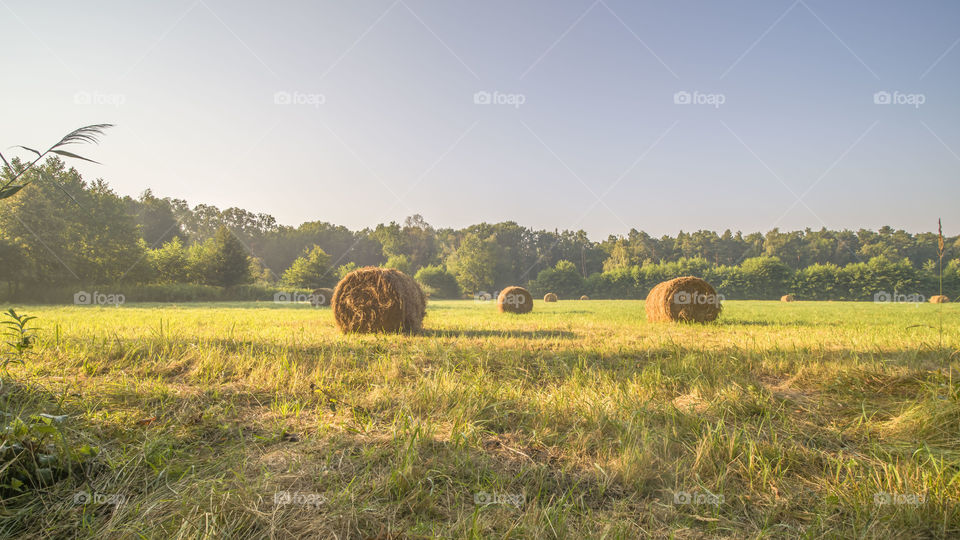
point(591, 421)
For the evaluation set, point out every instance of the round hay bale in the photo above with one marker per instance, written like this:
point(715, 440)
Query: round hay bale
point(549, 297)
point(515, 300)
point(683, 299)
point(584, 297)
point(787, 298)
point(939, 299)
point(321, 297)
point(375, 299)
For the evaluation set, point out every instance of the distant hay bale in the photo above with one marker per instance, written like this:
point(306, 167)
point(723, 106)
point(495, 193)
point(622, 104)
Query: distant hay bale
point(683, 299)
point(321, 297)
point(379, 300)
point(549, 297)
point(939, 299)
point(584, 297)
point(515, 300)
point(787, 298)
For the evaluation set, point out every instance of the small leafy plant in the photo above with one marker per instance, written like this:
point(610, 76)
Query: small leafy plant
point(33, 449)
point(28, 454)
point(19, 338)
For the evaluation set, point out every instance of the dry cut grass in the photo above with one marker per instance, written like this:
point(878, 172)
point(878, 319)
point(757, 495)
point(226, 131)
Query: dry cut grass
point(578, 420)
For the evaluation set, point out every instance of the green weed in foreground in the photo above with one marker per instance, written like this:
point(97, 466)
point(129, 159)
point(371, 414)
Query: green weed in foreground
point(579, 420)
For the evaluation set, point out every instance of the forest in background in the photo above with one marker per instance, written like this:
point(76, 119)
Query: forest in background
point(62, 233)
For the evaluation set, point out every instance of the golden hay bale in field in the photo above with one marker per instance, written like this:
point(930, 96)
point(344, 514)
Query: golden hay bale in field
point(321, 297)
point(683, 299)
point(549, 297)
point(515, 300)
point(939, 299)
point(584, 297)
point(379, 300)
point(787, 298)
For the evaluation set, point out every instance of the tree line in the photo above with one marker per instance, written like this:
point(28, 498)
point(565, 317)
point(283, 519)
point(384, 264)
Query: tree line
point(63, 231)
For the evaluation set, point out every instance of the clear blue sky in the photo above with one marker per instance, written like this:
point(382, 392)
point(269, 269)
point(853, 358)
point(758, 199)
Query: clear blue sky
point(192, 88)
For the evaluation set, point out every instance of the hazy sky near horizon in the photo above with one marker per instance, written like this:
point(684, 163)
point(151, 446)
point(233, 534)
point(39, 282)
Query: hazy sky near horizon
point(595, 115)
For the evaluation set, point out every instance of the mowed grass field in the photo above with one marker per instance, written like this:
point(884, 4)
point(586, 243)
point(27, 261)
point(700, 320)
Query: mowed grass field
point(579, 420)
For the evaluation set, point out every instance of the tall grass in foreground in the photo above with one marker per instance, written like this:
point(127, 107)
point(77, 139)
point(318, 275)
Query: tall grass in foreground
point(940, 251)
point(578, 420)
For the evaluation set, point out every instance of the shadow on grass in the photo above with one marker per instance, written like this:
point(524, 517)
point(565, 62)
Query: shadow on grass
point(252, 304)
point(523, 334)
point(754, 322)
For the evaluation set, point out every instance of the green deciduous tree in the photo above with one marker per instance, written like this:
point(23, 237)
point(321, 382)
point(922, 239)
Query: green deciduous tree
point(563, 279)
point(156, 218)
point(473, 263)
point(346, 269)
point(768, 278)
point(310, 271)
point(71, 232)
point(171, 262)
point(438, 282)
point(819, 282)
point(399, 262)
point(221, 260)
